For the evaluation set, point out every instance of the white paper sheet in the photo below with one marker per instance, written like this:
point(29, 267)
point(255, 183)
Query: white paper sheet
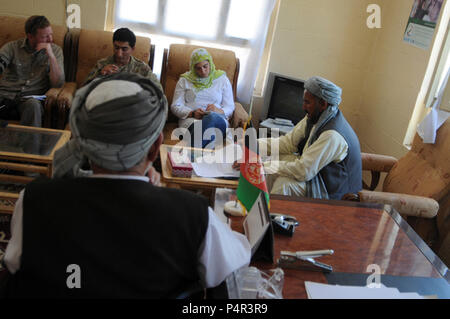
point(432, 122)
point(218, 163)
point(324, 291)
point(214, 170)
point(37, 97)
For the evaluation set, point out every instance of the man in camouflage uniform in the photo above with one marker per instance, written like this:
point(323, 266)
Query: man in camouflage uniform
point(124, 42)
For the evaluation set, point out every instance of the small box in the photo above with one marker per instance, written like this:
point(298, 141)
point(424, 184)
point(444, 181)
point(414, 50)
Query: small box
point(180, 165)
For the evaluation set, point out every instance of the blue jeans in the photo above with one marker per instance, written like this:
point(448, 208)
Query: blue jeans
point(212, 120)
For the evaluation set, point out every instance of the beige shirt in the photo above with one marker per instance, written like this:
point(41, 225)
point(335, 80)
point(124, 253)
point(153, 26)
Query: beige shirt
point(329, 147)
point(134, 66)
point(26, 71)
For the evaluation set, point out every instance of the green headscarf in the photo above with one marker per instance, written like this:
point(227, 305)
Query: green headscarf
point(200, 55)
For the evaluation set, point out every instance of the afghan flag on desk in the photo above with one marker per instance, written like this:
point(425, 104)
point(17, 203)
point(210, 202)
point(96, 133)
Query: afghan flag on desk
point(252, 180)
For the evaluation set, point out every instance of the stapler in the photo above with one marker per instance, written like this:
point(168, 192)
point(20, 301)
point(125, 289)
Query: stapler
point(305, 260)
point(283, 224)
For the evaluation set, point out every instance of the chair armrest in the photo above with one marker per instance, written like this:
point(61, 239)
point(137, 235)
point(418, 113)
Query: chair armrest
point(408, 205)
point(53, 93)
point(65, 98)
point(239, 117)
point(378, 163)
point(49, 105)
point(64, 102)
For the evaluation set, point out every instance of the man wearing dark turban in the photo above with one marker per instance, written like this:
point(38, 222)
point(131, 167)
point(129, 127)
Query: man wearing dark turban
point(320, 157)
point(114, 234)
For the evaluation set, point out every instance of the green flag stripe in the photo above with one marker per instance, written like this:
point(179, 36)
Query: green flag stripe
point(247, 193)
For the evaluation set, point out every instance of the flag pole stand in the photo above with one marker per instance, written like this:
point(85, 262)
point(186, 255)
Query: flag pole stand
point(233, 208)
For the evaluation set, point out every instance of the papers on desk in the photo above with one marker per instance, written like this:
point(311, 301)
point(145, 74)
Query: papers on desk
point(324, 291)
point(218, 163)
point(36, 97)
point(214, 170)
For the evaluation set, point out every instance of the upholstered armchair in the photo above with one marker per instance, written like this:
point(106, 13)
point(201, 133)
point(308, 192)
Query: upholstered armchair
point(176, 62)
point(13, 28)
point(87, 47)
point(417, 186)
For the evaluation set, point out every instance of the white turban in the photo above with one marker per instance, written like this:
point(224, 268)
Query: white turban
point(324, 89)
point(114, 122)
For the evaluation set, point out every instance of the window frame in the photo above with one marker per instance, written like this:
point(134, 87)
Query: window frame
point(429, 89)
point(158, 27)
point(439, 72)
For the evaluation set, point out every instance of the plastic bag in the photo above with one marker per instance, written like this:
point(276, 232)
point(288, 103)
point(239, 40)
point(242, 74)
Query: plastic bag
point(251, 283)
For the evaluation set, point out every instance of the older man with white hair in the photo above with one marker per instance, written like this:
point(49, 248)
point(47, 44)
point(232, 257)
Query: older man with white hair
point(114, 234)
point(320, 157)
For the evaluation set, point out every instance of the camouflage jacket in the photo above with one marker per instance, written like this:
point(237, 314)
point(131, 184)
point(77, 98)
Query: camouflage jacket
point(134, 66)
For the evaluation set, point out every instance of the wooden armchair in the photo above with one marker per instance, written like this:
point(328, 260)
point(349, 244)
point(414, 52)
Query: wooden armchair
point(176, 62)
point(418, 187)
point(87, 47)
point(13, 28)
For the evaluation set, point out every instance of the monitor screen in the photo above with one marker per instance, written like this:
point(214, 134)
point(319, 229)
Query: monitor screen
point(286, 99)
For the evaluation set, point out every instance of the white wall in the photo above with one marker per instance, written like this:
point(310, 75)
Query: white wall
point(93, 12)
point(379, 73)
point(327, 38)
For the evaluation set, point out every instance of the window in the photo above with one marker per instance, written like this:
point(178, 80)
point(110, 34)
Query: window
point(442, 70)
point(237, 25)
point(436, 72)
point(145, 11)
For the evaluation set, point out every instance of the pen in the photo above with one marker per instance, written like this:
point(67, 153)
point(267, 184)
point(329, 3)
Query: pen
point(2, 106)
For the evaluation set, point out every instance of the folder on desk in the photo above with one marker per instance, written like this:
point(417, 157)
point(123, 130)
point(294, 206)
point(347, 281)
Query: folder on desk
point(258, 229)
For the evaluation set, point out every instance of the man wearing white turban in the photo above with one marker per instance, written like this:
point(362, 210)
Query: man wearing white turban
point(320, 157)
point(114, 234)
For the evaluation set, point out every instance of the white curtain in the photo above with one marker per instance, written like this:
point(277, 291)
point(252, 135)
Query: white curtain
point(428, 128)
point(249, 67)
point(238, 25)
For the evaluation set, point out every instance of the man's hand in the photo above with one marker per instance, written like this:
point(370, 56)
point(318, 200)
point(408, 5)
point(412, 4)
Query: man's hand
point(109, 69)
point(198, 114)
point(155, 177)
point(56, 73)
point(236, 165)
point(47, 47)
point(213, 108)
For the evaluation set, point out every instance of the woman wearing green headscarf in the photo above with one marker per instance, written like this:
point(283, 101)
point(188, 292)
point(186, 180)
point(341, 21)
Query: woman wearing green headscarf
point(203, 98)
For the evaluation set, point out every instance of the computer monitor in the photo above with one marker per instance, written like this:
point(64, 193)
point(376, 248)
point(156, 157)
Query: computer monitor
point(283, 98)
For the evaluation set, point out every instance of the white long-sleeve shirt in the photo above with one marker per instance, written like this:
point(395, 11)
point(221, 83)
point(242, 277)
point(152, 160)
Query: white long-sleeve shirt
point(329, 147)
point(187, 99)
point(222, 251)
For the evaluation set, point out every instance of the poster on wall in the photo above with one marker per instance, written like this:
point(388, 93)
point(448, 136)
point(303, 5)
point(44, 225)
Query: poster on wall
point(422, 22)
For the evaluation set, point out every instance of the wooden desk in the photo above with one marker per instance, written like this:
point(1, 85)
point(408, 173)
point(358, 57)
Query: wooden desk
point(359, 234)
point(26, 149)
point(194, 182)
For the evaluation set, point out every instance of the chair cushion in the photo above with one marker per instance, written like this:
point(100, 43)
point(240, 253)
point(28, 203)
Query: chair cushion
point(94, 45)
point(425, 170)
point(178, 63)
point(13, 28)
